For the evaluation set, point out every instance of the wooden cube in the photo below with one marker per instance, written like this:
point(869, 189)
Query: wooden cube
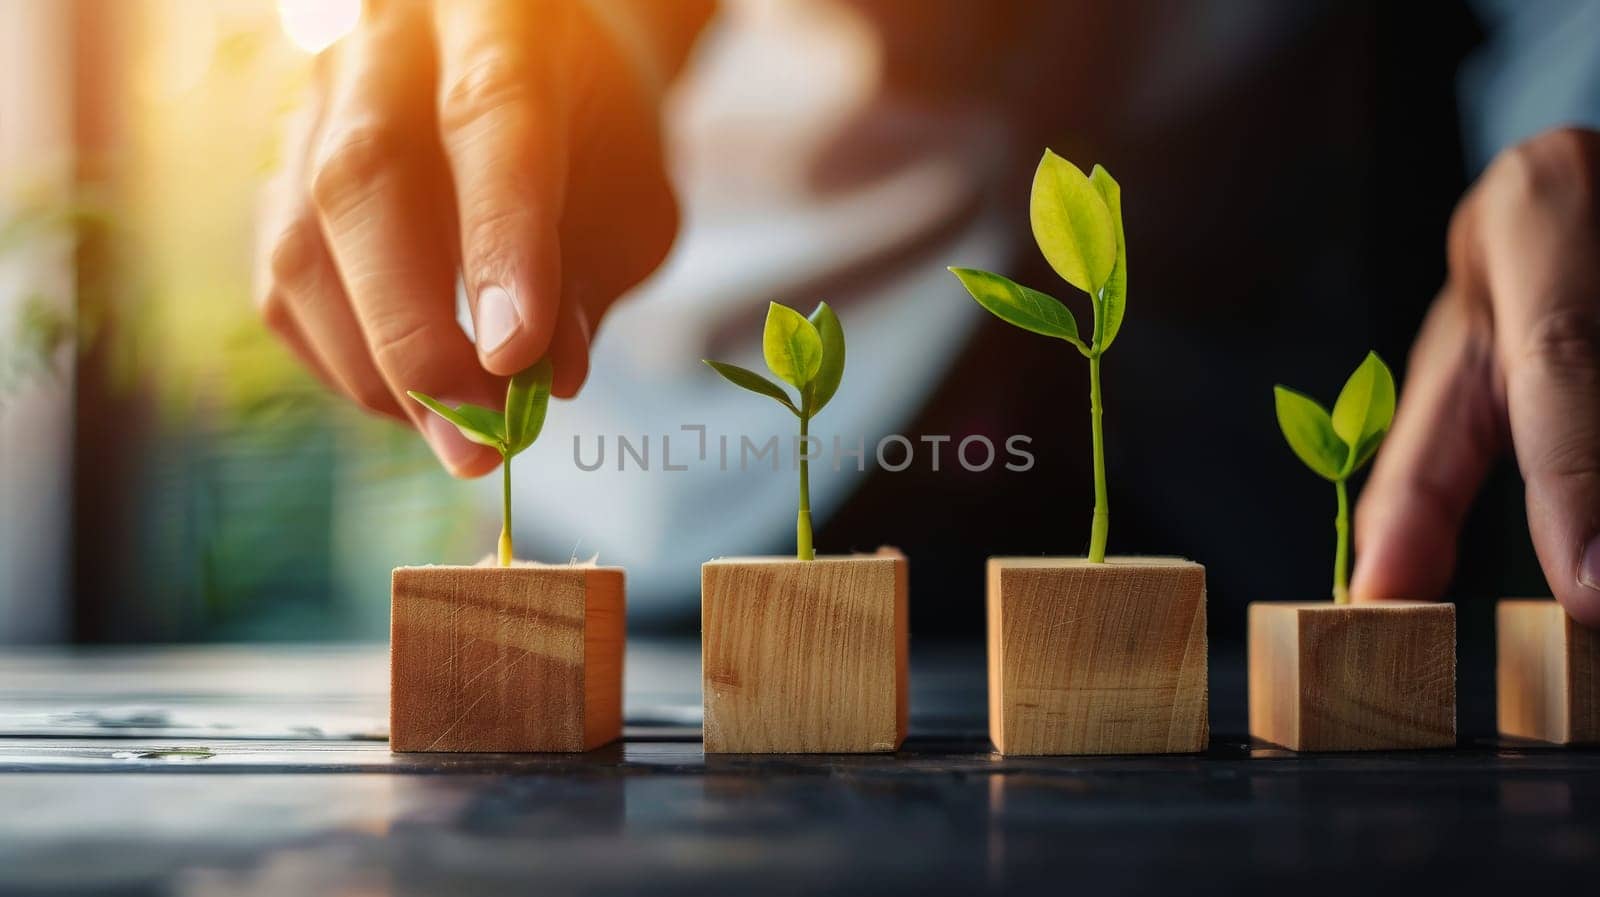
point(523, 658)
point(1548, 675)
point(1353, 677)
point(804, 656)
point(1097, 658)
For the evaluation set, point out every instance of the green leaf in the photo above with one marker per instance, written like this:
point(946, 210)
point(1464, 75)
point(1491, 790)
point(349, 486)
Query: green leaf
point(1114, 295)
point(1368, 448)
point(831, 371)
point(1072, 225)
point(1020, 306)
point(1309, 430)
point(484, 426)
point(748, 379)
point(792, 346)
point(527, 400)
point(1366, 404)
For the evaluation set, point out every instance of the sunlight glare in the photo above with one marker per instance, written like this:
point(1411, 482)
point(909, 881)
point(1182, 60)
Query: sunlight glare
point(312, 25)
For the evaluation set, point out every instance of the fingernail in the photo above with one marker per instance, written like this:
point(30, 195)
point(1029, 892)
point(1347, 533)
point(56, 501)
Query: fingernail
point(498, 318)
point(452, 448)
point(1589, 567)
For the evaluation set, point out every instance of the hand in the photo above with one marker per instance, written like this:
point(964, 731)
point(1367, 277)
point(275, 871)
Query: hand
point(511, 143)
point(1509, 357)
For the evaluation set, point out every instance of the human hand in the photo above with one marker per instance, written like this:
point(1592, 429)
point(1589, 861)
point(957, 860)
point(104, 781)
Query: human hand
point(1509, 357)
point(514, 144)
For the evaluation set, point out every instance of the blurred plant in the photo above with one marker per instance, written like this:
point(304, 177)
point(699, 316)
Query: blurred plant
point(1337, 445)
point(41, 327)
point(1077, 222)
point(38, 335)
point(808, 354)
point(509, 432)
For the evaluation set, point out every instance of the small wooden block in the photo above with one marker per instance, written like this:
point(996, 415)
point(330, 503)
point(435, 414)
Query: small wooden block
point(1353, 677)
point(804, 656)
point(1548, 674)
point(1097, 658)
point(524, 658)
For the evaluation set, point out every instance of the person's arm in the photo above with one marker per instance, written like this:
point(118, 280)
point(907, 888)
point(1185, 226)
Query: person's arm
point(512, 144)
point(1509, 358)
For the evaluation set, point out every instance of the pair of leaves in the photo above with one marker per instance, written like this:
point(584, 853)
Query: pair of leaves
point(510, 431)
point(806, 353)
point(1337, 445)
point(1077, 222)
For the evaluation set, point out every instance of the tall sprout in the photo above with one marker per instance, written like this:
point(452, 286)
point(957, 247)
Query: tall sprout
point(1077, 222)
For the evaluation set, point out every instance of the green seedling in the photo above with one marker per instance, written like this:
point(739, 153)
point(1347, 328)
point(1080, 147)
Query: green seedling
point(808, 354)
point(508, 432)
point(1339, 444)
point(1077, 222)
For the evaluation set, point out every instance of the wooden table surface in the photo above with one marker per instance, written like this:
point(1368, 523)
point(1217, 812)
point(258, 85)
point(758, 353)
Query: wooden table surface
point(255, 770)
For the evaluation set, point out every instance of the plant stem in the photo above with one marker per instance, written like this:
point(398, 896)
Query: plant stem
point(1341, 552)
point(802, 526)
point(1102, 514)
point(505, 496)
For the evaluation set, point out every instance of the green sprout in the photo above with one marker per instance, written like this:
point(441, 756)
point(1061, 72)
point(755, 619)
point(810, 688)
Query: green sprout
point(509, 432)
point(1077, 222)
point(808, 354)
point(1337, 445)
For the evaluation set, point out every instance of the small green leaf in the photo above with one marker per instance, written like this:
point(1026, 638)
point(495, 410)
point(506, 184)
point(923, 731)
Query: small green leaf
point(1072, 225)
point(1366, 404)
point(527, 401)
point(1020, 306)
point(1309, 430)
point(831, 371)
point(748, 379)
point(792, 346)
point(484, 426)
point(1114, 295)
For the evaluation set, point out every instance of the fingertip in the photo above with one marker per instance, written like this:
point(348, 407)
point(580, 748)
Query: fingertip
point(1581, 598)
point(512, 330)
point(569, 354)
point(461, 458)
point(1403, 556)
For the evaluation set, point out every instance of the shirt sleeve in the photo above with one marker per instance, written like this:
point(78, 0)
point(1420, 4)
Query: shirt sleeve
point(1539, 69)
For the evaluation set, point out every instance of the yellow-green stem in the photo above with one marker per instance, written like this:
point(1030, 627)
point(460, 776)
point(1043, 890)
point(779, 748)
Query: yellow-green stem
point(1341, 551)
point(1102, 515)
point(802, 526)
point(505, 525)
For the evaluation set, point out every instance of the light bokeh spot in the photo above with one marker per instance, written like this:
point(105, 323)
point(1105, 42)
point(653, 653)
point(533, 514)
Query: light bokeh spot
point(312, 25)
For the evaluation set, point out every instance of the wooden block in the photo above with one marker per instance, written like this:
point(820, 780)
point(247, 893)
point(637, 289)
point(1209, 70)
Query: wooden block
point(1353, 677)
point(804, 656)
point(524, 658)
point(1548, 674)
point(1097, 658)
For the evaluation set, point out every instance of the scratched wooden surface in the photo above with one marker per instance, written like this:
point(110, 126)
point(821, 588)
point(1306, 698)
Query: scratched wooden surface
point(523, 658)
point(262, 771)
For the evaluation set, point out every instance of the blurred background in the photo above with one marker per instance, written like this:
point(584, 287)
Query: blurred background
point(168, 473)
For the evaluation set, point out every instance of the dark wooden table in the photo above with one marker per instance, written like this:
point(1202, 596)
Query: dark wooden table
point(251, 771)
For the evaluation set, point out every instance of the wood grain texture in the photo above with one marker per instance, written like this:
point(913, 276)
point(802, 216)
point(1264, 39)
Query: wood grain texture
point(805, 656)
point(524, 658)
point(1097, 658)
point(1353, 677)
point(1547, 675)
